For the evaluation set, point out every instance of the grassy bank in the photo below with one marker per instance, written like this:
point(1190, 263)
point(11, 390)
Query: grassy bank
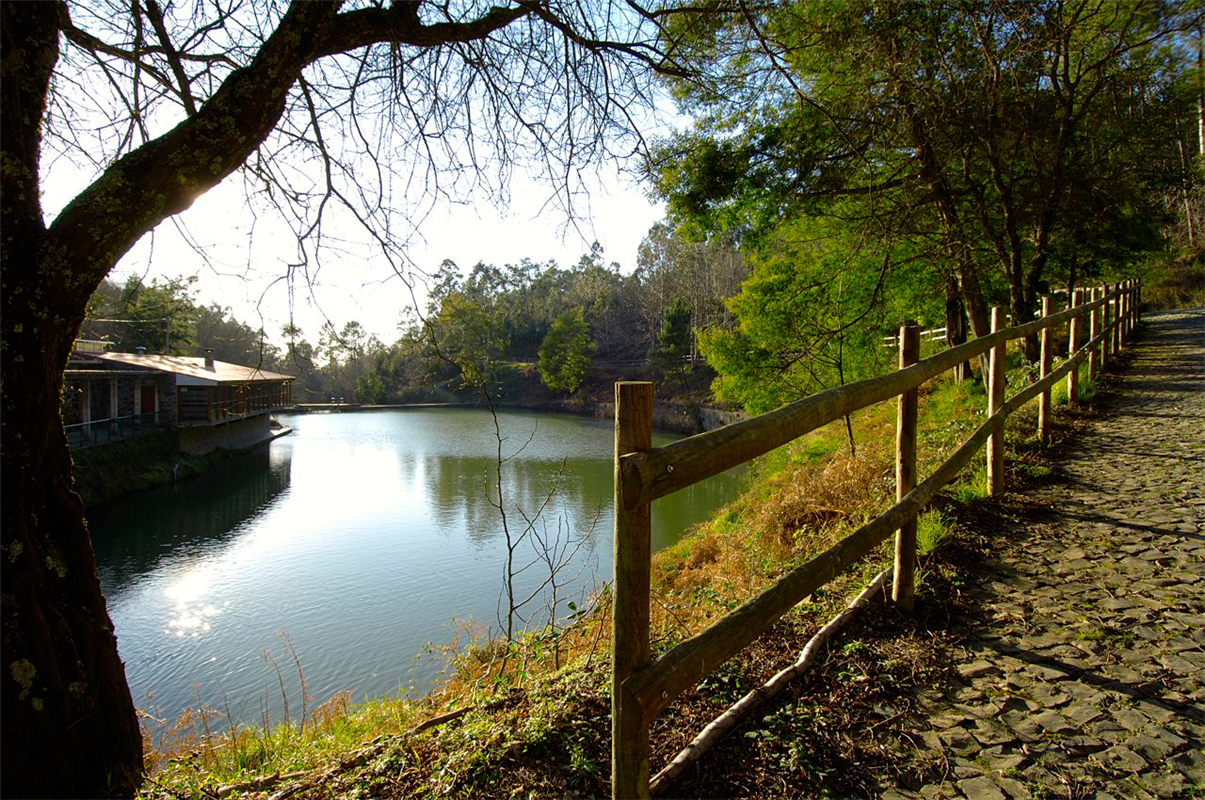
point(531, 717)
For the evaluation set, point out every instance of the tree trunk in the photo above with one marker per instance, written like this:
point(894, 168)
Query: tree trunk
point(972, 299)
point(956, 325)
point(1022, 311)
point(965, 268)
point(69, 726)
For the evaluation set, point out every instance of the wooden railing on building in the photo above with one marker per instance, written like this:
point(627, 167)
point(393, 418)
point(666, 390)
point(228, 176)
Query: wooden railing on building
point(641, 685)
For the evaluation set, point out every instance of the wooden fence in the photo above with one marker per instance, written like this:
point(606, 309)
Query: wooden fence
point(641, 685)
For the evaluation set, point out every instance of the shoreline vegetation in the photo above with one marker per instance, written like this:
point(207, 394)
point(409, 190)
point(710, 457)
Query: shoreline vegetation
point(531, 718)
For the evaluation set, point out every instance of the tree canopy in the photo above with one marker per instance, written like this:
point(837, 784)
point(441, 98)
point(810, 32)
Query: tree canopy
point(1011, 145)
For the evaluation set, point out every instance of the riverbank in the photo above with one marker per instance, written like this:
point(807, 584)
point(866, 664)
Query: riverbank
point(533, 715)
point(534, 712)
point(396, 510)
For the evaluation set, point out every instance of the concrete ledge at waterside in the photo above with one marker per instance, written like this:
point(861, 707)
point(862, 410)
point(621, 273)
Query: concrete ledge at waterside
point(155, 458)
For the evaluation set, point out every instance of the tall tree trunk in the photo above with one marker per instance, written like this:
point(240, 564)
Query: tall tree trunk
point(68, 727)
point(1201, 92)
point(965, 268)
point(1022, 311)
point(1186, 194)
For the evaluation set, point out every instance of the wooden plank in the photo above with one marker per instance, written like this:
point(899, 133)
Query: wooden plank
point(630, 609)
point(995, 398)
point(1044, 408)
point(663, 470)
point(903, 582)
point(1104, 326)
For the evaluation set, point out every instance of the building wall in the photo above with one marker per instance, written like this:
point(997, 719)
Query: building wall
point(98, 400)
point(166, 388)
point(125, 396)
point(236, 435)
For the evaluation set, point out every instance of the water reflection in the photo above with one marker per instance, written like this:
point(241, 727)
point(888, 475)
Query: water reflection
point(191, 518)
point(363, 536)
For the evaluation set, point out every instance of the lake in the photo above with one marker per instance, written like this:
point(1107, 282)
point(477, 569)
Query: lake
point(362, 543)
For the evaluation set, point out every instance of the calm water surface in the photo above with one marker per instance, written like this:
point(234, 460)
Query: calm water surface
point(358, 540)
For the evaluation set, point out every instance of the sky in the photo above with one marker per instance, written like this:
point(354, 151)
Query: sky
point(242, 258)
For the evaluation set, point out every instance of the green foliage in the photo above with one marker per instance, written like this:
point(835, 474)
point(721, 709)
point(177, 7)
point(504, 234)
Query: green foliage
point(216, 329)
point(469, 336)
point(565, 353)
point(673, 344)
point(932, 530)
point(369, 388)
point(160, 316)
point(1048, 152)
point(811, 315)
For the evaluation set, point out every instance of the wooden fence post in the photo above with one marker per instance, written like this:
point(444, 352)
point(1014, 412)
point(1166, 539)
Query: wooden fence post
point(630, 610)
point(903, 588)
point(1116, 335)
point(1045, 362)
point(1093, 330)
point(995, 399)
point(1138, 302)
point(1127, 300)
point(1073, 345)
point(1121, 315)
point(1133, 306)
point(1104, 326)
point(1129, 305)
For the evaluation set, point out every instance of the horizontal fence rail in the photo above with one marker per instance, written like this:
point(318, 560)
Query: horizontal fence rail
point(643, 686)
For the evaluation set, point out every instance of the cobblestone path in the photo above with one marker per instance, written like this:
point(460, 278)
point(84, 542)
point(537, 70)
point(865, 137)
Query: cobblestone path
point(1083, 675)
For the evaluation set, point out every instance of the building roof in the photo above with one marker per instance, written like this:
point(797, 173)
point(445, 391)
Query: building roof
point(194, 367)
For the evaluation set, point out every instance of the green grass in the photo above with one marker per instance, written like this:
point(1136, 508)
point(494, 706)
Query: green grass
point(1086, 388)
point(970, 488)
point(932, 531)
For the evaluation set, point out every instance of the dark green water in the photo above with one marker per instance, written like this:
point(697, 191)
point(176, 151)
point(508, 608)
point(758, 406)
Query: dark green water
point(361, 538)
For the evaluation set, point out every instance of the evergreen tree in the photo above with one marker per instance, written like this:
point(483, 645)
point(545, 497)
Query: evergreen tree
point(565, 353)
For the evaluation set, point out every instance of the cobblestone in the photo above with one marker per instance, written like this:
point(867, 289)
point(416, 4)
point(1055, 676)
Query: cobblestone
point(1083, 671)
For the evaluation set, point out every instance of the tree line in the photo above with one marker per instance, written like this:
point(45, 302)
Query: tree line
point(562, 319)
